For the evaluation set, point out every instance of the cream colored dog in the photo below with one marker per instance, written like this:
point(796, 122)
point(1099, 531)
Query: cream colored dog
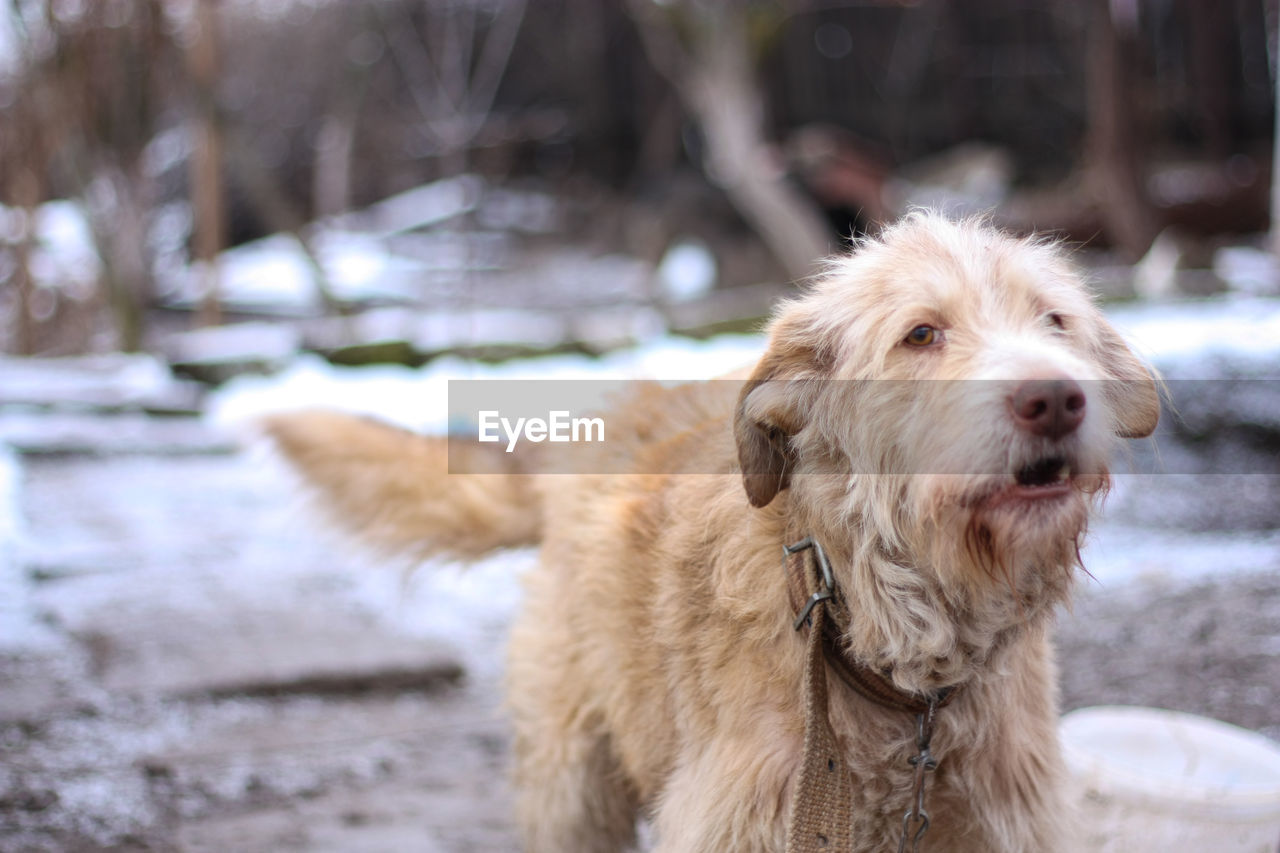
point(937, 412)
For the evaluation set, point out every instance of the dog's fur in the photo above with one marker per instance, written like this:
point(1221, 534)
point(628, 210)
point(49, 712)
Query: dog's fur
point(654, 670)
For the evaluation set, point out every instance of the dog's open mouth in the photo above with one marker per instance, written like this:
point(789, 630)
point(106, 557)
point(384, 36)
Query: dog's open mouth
point(1044, 473)
point(1041, 479)
point(1046, 477)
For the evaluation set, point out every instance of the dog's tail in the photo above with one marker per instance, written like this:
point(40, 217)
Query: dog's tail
point(392, 489)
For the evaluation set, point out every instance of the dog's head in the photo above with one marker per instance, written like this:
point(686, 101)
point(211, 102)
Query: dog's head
point(963, 375)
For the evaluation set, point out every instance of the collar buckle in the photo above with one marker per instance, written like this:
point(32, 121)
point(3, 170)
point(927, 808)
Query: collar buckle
point(828, 590)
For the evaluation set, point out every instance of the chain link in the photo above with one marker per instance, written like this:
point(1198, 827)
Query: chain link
point(923, 762)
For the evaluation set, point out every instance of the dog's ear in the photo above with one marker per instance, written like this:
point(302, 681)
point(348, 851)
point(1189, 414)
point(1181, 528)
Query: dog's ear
point(770, 411)
point(1131, 390)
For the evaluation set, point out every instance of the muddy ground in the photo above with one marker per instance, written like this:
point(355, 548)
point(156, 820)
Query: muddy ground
point(424, 770)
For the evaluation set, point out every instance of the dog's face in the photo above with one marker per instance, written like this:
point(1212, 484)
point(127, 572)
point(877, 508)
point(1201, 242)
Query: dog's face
point(962, 376)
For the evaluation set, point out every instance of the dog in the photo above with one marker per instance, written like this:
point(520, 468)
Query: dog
point(937, 412)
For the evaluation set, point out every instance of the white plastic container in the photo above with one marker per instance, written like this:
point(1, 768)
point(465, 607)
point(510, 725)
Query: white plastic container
point(1165, 782)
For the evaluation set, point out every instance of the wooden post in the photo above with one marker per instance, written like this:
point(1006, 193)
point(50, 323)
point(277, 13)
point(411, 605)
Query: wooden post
point(1114, 139)
point(207, 200)
point(1275, 148)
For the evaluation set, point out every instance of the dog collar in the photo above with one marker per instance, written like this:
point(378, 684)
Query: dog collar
point(821, 816)
point(810, 583)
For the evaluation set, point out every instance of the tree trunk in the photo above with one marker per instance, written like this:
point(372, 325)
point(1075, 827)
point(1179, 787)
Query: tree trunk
point(730, 111)
point(118, 219)
point(706, 52)
point(1275, 152)
point(206, 163)
point(1115, 173)
point(331, 179)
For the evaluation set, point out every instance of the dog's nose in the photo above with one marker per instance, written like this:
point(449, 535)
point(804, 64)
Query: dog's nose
point(1048, 407)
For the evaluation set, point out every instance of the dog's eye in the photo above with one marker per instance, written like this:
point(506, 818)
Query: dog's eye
point(921, 336)
point(1056, 320)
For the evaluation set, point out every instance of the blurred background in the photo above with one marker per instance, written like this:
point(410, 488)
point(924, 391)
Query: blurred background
point(188, 163)
point(213, 209)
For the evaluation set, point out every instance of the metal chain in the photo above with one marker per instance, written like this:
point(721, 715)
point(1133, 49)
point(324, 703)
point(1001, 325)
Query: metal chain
point(923, 762)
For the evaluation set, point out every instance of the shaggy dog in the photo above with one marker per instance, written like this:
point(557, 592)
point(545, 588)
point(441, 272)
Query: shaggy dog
point(937, 412)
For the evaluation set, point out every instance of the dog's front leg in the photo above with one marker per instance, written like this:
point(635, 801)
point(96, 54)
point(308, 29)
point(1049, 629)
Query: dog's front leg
point(729, 794)
point(571, 795)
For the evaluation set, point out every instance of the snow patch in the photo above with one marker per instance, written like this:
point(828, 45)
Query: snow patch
point(418, 398)
point(687, 271)
point(63, 255)
point(1186, 339)
point(20, 630)
point(1117, 554)
point(1247, 270)
point(276, 273)
point(420, 207)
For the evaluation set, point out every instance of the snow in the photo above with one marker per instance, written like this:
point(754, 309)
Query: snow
point(418, 398)
point(466, 607)
point(270, 343)
point(402, 249)
point(420, 207)
point(525, 212)
point(687, 271)
point(1119, 553)
point(1186, 340)
point(396, 394)
point(274, 274)
point(11, 46)
point(115, 379)
point(63, 255)
point(167, 151)
point(1247, 270)
point(20, 628)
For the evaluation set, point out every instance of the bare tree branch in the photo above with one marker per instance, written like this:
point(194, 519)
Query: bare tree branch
point(704, 49)
point(494, 57)
point(453, 88)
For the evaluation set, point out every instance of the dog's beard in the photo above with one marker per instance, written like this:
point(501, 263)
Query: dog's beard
point(1008, 536)
point(940, 575)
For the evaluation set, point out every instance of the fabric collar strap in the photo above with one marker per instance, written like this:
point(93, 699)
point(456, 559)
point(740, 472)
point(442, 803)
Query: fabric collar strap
point(821, 816)
point(810, 582)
